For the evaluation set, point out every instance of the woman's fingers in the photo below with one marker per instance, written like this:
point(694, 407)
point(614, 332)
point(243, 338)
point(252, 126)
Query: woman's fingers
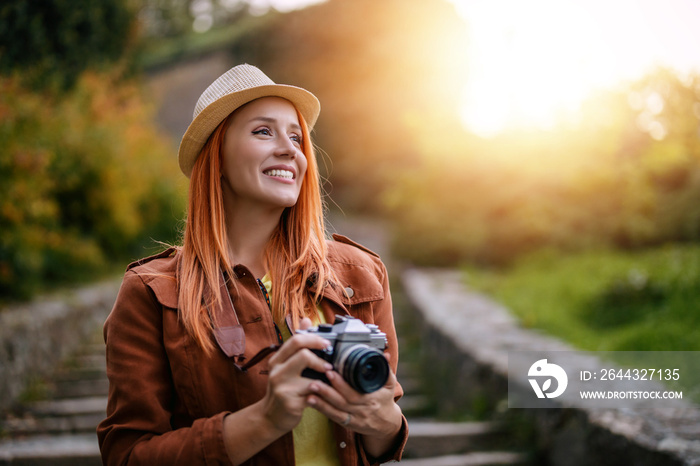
point(305, 323)
point(296, 355)
point(331, 394)
point(369, 414)
point(342, 388)
point(339, 399)
point(305, 359)
point(331, 410)
point(296, 343)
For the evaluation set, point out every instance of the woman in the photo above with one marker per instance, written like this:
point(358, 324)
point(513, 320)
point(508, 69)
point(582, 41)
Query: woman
point(190, 329)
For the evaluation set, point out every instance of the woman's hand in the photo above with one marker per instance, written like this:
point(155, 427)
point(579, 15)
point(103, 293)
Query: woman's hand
point(249, 430)
point(374, 415)
point(287, 390)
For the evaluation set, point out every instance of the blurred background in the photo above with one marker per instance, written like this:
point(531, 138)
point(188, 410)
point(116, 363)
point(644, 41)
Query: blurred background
point(549, 149)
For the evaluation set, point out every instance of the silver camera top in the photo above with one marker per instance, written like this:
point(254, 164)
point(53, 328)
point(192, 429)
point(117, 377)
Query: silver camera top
point(348, 329)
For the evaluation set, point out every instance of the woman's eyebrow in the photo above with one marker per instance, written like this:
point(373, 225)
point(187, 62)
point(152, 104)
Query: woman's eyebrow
point(269, 120)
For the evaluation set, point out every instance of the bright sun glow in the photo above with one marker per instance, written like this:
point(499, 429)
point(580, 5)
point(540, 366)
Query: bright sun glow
point(533, 62)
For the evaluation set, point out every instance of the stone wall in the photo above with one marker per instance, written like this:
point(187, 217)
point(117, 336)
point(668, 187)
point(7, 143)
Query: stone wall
point(467, 337)
point(36, 336)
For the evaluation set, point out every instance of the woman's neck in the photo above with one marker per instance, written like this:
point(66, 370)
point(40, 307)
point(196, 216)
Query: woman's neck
point(249, 231)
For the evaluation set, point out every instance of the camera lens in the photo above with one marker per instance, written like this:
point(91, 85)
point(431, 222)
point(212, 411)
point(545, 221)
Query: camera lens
point(364, 368)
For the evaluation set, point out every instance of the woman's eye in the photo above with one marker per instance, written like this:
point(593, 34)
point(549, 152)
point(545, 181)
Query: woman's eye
point(296, 138)
point(263, 131)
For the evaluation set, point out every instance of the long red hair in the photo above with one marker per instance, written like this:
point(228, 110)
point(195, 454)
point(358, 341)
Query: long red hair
point(294, 256)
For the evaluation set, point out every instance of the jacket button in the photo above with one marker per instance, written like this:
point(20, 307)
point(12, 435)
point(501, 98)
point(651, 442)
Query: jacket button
point(343, 444)
point(350, 292)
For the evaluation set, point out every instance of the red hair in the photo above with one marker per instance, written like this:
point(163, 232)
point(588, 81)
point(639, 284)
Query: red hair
point(294, 255)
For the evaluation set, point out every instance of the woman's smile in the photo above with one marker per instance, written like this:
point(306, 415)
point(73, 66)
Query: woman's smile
point(282, 173)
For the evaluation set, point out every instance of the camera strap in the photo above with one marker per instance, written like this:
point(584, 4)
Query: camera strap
point(229, 333)
point(259, 356)
point(227, 330)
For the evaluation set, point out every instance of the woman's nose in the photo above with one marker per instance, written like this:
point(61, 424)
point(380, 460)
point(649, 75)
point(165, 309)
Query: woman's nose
point(286, 148)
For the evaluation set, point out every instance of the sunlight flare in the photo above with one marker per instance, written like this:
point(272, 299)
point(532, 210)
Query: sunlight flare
point(533, 63)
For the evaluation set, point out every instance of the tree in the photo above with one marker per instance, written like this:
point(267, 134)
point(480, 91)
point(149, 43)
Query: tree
point(51, 42)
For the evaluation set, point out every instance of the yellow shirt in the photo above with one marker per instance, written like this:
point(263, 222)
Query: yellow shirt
point(314, 444)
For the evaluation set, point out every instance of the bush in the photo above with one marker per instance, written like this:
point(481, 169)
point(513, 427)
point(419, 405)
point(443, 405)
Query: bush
point(51, 42)
point(605, 300)
point(624, 301)
point(84, 179)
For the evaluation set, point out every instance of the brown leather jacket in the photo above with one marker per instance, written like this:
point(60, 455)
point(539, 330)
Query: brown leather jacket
point(168, 399)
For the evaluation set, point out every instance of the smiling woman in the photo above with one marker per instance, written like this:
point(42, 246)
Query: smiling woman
point(190, 324)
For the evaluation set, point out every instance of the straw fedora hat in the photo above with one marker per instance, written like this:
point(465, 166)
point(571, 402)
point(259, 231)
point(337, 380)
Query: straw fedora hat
point(238, 86)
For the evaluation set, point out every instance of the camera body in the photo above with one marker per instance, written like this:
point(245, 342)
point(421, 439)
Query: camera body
point(356, 352)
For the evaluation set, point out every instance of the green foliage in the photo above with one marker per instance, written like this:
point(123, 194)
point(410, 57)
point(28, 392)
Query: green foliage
point(624, 301)
point(84, 180)
point(605, 300)
point(51, 42)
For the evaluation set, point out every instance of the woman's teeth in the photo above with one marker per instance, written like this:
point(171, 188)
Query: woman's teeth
point(280, 173)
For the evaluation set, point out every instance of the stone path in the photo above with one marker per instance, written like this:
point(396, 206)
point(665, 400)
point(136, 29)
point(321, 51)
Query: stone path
point(59, 428)
point(435, 442)
point(473, 336)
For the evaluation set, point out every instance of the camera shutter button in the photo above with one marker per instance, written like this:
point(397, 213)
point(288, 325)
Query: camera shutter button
point(350, 292)
point(325, 328)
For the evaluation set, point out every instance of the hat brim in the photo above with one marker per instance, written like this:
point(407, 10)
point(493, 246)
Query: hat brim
point(211, 116)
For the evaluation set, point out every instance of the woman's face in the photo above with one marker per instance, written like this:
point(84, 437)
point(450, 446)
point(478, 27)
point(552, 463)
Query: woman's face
point(263, 165)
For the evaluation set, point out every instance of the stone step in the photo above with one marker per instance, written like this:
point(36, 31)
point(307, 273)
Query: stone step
point(433, 438)
point(90, 361)
point(80, 388)
point(80, 373)
point(92, 349)
point(83, 367)
point(414, 405)
point(76, 415)
point(57, 450)
point(79, 423)
point(69, 407)
point(494, 458)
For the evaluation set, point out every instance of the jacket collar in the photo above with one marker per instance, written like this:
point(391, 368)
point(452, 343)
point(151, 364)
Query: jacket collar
point(332, 292)
point(357, 283)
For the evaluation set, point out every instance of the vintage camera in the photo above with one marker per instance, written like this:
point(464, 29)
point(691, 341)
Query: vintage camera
point(356, 352)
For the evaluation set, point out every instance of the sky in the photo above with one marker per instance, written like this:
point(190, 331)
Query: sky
point(532, 61)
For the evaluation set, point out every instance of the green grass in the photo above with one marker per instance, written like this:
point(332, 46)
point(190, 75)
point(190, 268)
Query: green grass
point(605, 300)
